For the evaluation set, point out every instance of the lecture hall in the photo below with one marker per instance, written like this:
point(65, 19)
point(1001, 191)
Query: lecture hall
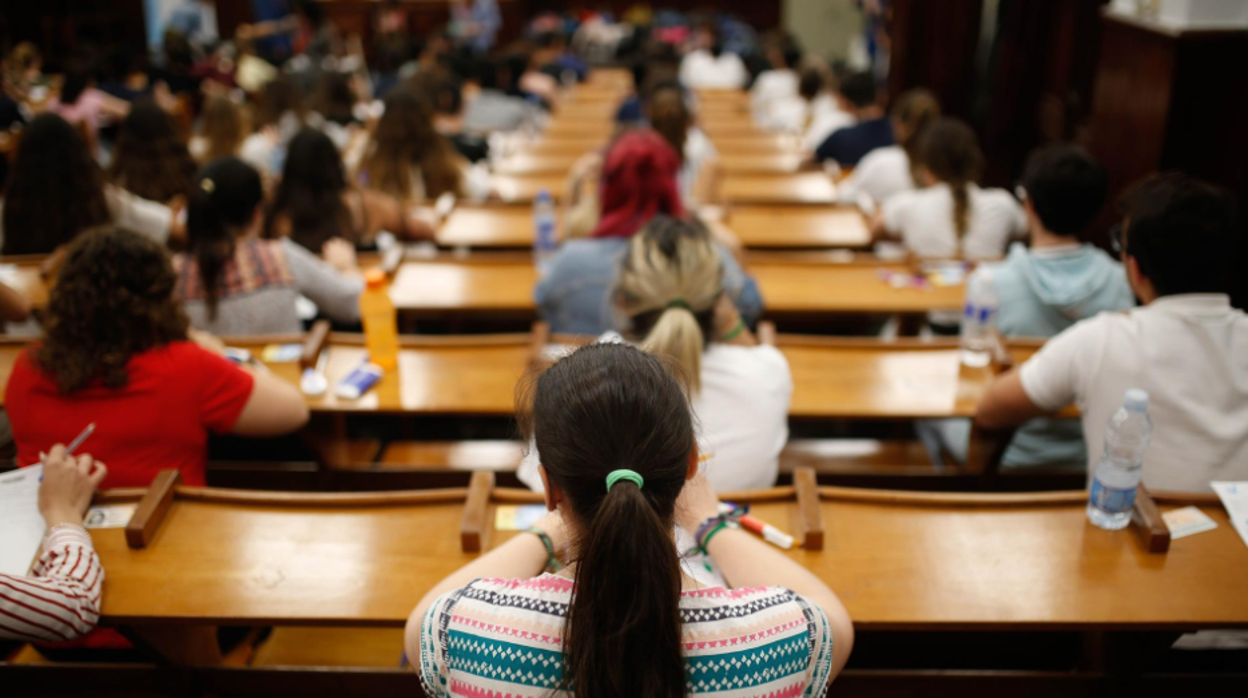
point(854, 347)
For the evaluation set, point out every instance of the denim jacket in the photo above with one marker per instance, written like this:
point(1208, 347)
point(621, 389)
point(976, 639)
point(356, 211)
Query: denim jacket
point(575, 295)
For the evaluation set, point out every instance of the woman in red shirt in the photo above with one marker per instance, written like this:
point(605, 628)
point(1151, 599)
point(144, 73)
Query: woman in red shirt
point(116, 351)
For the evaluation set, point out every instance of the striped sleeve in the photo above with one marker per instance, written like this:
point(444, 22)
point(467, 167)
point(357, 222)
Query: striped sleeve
point(819, 629)
point(61, 600)
point(434, 672)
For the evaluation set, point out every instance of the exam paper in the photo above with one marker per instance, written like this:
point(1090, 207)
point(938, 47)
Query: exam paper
point(21, 525)
point(1234, 497)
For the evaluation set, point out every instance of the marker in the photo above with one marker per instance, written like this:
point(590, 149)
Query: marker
point(769, 533)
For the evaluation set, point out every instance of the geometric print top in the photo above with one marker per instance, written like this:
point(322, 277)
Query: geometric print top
point(502, 638)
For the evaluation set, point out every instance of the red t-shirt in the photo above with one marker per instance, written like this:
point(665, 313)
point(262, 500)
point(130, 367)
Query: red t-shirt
point(160, 420)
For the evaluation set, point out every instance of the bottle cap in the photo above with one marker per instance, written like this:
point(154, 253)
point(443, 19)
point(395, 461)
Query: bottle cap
point(543, 195)
point(1136, 400)
point(375, 278)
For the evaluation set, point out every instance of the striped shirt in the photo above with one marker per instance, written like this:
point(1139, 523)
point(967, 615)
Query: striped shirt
point(61, 599)
point(503, 637)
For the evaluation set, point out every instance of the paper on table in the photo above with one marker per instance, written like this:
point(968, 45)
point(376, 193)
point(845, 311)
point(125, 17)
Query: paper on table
point(21, 525)
point(1234, 497)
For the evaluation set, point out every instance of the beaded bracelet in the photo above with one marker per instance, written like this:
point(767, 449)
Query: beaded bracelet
point(552, 560)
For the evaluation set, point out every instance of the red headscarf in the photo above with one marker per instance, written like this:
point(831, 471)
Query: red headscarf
point(638, 183)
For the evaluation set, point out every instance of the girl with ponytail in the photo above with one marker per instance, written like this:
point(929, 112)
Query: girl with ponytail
point(952, 216)
point(893, 169)
point(670, 117)
point(233, 283)
point(669, 288)
point(607, 619)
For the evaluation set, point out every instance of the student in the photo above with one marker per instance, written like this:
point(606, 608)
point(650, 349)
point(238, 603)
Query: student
point(81, 102)
point(620, 463)
point(670, 289)
point(314, 204)
point(221, 133)
point(334, 109)
point(116, 352)
point(499, 106)
point(638, 183)
point(56, 191)
point(846, 146)
point(409, 160)
point(232, 283)
point(60, 600)
point(1187, 347)
point(818, 113)
point(951, 216)
point(669, 116)
point(708, 66)
point(279, 115)
point(150, 160)
point(895, 168)
point(778, 84)
point(444, 92)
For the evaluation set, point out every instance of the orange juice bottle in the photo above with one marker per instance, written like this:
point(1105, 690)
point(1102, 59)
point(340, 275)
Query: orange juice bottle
point(381, 330)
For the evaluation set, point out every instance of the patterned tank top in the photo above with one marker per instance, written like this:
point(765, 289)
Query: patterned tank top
point(503, 637)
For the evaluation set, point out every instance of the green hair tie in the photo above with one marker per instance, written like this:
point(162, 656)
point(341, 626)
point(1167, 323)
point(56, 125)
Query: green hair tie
point(679, 303)
point(632, 476)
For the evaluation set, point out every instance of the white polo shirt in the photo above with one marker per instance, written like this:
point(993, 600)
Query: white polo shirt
point(1190, 352)
point(699, 70)
point(923, 218)
point(880, 174)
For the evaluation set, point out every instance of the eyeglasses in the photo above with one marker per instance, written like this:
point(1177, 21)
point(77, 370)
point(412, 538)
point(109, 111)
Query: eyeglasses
point(1115, 238)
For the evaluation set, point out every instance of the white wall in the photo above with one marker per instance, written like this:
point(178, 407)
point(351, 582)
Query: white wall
point(823, 26)
point(1188, 14)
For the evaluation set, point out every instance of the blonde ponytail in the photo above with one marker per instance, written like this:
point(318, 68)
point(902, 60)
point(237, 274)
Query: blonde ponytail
point(678, 336)
point(667, 287)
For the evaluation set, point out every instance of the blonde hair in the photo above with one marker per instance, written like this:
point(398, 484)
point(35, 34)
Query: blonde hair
point(668, 284)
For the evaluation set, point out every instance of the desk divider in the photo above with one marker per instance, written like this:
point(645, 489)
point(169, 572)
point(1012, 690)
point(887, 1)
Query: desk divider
point(314, 344)
point(151, 511)
point(475, 526)
point(1146, 521)
point(808, 517)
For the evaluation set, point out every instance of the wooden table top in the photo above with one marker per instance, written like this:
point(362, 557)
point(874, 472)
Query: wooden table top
point(529, 163)
point(439, 287)
point(780, 226)
point(731, 144)
point(793, 188)
point(850, 378)
point(912, 562)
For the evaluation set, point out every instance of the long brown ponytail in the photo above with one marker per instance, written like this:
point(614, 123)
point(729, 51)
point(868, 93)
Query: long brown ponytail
point(951, 153)
point(669, 116)
point(226, 195)
point(915, 112)
point(603, 408)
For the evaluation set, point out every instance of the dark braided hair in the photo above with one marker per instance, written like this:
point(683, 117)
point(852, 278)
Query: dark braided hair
point(112, 300)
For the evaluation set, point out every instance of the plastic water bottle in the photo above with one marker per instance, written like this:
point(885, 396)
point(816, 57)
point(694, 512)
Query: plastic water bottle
point(544, 243)
point(1119, 471)
point(977, 319)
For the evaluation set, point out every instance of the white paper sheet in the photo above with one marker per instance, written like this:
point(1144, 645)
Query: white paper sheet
point(1234, 497)
point(21, 525)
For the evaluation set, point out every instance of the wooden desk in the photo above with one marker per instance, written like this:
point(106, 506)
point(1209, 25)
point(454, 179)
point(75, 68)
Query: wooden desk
point(516, 189)
point(488, 227)
point(797, 188)
point(798, 226)
point(864, 378)
point(503, 283)
point(899, 561)
point(738, 144)
point(529, 162)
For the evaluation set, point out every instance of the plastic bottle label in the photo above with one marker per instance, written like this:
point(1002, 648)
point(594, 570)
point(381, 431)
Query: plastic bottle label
point(1112, 500)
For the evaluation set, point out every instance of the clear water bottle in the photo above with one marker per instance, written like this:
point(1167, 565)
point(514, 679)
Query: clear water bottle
point(544, 243)
point(1119, 471)
point(977, 319)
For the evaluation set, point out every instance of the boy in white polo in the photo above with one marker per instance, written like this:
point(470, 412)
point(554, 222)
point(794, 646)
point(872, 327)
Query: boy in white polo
point(1187, 346)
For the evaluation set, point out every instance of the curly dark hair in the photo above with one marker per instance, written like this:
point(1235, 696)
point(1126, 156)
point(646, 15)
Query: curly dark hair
point(113, 299)
point(150, 159)
point(56, 189)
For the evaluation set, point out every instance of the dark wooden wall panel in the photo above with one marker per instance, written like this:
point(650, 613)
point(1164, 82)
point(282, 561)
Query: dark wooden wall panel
point(934, 46)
